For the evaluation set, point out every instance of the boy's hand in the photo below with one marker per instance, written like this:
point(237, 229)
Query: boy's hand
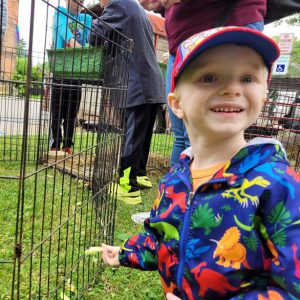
point(151, 4)
point(110, 255)
point(171, 296)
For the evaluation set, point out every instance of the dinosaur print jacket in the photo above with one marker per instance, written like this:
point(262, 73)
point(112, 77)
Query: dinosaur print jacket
point(236, 237)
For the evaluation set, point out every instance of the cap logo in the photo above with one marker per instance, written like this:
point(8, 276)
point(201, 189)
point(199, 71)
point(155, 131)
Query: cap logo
point(191, 43)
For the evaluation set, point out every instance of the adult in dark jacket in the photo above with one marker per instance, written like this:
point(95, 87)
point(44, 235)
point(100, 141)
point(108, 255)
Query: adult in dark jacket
point(145, 93)
point(184, 18)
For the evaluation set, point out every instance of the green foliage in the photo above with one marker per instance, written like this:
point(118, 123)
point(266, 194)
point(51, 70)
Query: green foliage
point(293, 20)
point(226, 207)
point(280, 280)
point(20, 74)
point(296, 286)
point(250, 242)
point(279, 215)
point(279, 238)
point(208, 196)
point(279, 171)
point(242, 153)
point(22, 48)
point(294, 67)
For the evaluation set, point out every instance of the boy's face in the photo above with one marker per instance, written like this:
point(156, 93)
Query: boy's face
point(222, 92)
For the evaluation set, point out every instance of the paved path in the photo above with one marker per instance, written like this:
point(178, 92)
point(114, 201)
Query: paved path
point(12, 116)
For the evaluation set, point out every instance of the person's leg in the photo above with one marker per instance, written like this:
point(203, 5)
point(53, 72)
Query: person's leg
point(181, 140)
point(256, 25)
point(56, 114)
point(71, 107)
point(161, 123)
point(132, 151)
point(147, 113)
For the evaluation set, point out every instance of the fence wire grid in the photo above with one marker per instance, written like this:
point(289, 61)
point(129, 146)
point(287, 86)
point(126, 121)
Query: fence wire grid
point(53, 204)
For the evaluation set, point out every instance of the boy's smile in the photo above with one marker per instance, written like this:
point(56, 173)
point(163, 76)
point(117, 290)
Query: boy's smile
point(222, 92)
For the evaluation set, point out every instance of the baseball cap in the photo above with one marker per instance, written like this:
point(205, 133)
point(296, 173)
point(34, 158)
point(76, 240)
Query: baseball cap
point(200, 42)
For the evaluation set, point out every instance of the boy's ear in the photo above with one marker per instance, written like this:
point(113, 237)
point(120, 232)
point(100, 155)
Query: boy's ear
point(174, 104)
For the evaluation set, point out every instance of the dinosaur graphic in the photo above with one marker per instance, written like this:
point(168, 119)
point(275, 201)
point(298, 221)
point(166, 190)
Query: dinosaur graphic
point(133, 241)
point(267, 261)
point(293, 173)
point(211, 280)
point(241, 225)
point(296, 260)
point(149, 243)
point(194, 248)
point(231, 253)
point(253, 159)
point(124, 247)
point(271, 247)
point(177, 199)
point(166, 288)
point(204, 218)
point(167, 257)
point(268, 169)
point(166, 230)
point(187, 289)
point(240, 194)
point(134, 260)
point(271, 295)
point(159, 198)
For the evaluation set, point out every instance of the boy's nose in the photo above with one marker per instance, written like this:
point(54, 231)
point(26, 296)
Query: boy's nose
point(232, 88)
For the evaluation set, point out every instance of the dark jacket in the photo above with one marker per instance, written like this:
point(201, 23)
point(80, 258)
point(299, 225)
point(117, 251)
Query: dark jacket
point(145, 79)
point(192, 16)
point(235, 237)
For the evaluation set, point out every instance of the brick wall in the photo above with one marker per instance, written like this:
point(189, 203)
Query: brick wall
point(9, 41)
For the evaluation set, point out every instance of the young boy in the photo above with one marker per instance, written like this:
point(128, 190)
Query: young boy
point(225, 224)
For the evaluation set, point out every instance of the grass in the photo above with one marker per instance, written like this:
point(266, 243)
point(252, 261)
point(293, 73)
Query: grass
point(54, 237)
point(125, 283)
point(58, 210)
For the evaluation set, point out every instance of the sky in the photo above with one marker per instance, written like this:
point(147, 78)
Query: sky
point(42, 35)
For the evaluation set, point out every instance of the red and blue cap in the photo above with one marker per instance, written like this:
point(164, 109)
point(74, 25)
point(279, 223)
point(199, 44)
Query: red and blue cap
point(205, 40)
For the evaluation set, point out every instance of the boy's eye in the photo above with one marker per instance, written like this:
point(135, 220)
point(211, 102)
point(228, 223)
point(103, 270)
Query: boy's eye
point(247, 79)
point(208, 78)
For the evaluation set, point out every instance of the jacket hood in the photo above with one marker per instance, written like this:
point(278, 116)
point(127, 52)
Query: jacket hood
point(256, 152)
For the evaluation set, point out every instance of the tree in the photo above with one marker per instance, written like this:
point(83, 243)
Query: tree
point(292, 20)
point(21, 48)
point(294, 67)
point(20, 75)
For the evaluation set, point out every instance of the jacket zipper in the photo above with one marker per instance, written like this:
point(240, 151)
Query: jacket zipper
point(183, 239)
point(184, 231)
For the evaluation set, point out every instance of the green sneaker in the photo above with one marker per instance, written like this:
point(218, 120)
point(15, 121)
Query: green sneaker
point(129, 197)
point(144, 182)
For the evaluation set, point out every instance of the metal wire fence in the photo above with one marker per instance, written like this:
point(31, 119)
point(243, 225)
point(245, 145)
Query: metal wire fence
point(280, 117)
point(53, 204)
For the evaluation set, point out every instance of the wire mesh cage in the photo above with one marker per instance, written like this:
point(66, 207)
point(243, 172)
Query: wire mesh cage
point(280, 117)
point(60, 138)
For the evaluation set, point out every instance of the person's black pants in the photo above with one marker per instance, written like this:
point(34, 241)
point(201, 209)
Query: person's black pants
point(136, 147)
point(65, 102)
